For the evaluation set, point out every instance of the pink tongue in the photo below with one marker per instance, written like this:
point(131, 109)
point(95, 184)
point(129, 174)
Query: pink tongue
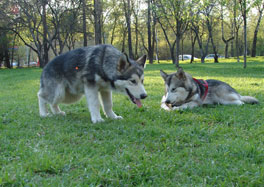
point(138, 103)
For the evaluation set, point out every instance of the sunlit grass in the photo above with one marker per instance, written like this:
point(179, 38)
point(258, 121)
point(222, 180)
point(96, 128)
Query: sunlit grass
point(214, 145)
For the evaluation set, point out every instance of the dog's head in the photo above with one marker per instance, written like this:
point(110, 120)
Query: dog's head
point(178, 87)
point(130, 78)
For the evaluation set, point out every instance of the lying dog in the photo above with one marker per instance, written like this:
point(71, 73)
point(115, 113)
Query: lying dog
point(183, 91)
point(93, 71)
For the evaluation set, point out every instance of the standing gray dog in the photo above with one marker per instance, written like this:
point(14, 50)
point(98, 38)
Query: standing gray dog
point(94, 71)
point(183, 91)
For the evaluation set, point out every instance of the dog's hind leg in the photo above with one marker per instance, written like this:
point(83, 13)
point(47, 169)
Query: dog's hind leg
point(189, 105)
point(92, 97)
point(43, 111)
point(59, 96)
point(56, 109)
point(231, 99)
point(107, 104)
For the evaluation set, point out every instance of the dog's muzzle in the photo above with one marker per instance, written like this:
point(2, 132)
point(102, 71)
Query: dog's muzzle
point(136, 100)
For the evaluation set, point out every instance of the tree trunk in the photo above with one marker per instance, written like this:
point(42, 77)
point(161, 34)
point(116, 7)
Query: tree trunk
point(243, 6)
point(226, 41)
point(28, 54)
point(203, 51)
point(157, 48)
point(182, 49)
point(236, 26)
point(254, 45)
point(85, 42)
point(113, 32)
point(45, 35)
point(150, 53)
point(193, 44)
point(226, 50)
point(237, 47)
point(136, 31)
point(178, 40)
point(201, 48)
point(128, 21)
point(209, 27)
point(171, 47)
point(202, 59)
point(153, 38)
point(7, 59)
point(173, 55)
point(97, 22)
point(124, 41)
point(245, 39)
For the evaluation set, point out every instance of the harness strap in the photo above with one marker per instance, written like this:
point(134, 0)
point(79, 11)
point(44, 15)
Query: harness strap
point(205, 85)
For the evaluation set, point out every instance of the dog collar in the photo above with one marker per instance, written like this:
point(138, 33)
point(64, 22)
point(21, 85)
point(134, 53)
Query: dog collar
point(205, 84)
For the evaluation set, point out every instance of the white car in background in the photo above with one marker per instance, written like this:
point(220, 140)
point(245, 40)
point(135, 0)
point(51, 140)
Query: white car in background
point(187, 57)
point(211, 56)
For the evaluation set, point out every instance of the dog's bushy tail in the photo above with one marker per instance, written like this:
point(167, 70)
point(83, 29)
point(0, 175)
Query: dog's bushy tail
point(249, 99)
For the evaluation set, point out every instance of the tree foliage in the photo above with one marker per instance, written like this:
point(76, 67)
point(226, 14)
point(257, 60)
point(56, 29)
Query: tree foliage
point(155, 27)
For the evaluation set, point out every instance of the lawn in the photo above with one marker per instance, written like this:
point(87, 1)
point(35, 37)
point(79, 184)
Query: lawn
point(213, 145)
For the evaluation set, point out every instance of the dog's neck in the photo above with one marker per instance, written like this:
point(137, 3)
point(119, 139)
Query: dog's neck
point(203, 85)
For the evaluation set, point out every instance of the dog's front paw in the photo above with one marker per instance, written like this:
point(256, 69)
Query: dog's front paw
point(165, 107)
point(97, 120)
point(112, 115)
point(44, 115)
point(118, 117)
point(176, 108)
point(62, 113)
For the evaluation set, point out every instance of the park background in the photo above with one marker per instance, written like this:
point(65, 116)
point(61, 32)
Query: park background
point(38, 30)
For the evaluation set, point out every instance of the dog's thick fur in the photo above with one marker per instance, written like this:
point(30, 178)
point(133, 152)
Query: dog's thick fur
point(182, 92)
point(93, 71)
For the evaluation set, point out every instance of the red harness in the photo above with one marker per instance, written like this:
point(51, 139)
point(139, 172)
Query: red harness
point(205, 84)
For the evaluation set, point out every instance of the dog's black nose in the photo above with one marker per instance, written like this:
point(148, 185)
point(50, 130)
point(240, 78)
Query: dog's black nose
point(167, 101)
point(143, 96)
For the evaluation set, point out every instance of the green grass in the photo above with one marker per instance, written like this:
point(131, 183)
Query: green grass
point(214, 145)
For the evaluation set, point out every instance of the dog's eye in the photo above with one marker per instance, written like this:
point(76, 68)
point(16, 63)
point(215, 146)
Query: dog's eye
point(142, 81)
point(173, 89)
point(133, 81)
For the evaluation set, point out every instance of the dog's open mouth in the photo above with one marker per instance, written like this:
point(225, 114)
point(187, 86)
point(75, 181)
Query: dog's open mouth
point(133, 99)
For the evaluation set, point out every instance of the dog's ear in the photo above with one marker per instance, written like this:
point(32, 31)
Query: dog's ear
point(180, 74)
point(123, 63)
point(142, 60)
point(163, 75)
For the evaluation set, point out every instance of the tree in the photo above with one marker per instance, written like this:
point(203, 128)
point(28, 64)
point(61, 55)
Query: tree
point(63, 24)
point(151, 31)
point(207, 10)
point(85, 42)
point(237, 23)
point(173, 15)
point(244, 10)
point(198, 26)
point(193, 41)
point(4, 53)
point(225, 40)
point(115, 20)
point(97, 21)
point(44, 3)
point(127, 9)
point(260, 8)
point(136, 10)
